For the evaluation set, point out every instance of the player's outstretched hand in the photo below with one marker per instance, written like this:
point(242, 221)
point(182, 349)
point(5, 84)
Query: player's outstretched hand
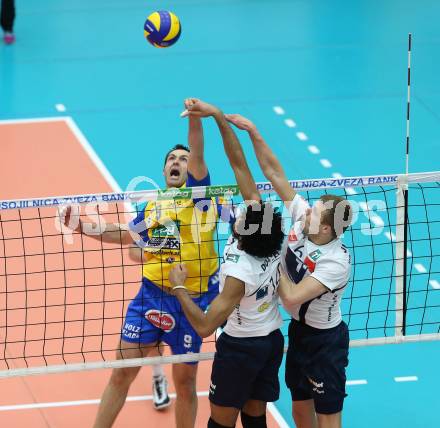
point(197, 108)
point(240, 122)
point(178, 275)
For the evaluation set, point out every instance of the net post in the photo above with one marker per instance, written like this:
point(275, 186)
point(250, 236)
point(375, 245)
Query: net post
point(401, 254)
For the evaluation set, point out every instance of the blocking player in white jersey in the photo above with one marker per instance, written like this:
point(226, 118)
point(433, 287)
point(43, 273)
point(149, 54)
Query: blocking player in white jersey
point(250, 349)
point(317, 269)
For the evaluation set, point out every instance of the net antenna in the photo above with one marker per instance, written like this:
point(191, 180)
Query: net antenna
point(408, 104)
point(402, 229)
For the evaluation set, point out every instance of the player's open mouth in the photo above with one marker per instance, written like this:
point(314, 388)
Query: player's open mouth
point(174, 173)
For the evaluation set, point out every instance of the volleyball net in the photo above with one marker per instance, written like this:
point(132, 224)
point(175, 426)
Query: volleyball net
point(64, 294)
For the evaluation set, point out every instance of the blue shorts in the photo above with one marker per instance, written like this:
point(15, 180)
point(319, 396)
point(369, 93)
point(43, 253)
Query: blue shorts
point(246, 368)
point(315, 365)
point(154, 316)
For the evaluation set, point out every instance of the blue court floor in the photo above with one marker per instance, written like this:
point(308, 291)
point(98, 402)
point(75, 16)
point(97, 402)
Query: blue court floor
point(338, 71)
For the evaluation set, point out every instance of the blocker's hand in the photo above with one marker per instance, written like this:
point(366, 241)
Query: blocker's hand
point(178, 275)
point(197, 108)
point(240, 122)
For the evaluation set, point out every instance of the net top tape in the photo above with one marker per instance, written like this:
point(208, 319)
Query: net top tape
point(219, 190)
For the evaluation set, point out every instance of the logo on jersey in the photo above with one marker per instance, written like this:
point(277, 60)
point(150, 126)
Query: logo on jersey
point(263, 307)
point(165, 238)
point(310, 264)
point(296, 268)
point(233, 257)
point(162, 320)
point(315, 255)
point(262, 292)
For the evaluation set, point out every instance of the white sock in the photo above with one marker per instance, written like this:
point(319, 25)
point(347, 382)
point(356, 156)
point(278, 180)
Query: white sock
point(157, 370)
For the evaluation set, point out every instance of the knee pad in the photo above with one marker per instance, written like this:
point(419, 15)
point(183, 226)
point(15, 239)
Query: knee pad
point(253, 421)
point(213, 424)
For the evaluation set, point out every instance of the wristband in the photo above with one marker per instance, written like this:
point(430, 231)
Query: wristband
point(179, 286)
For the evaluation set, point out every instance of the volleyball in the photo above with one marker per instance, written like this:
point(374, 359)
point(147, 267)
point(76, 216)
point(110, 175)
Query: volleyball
point(162, 29)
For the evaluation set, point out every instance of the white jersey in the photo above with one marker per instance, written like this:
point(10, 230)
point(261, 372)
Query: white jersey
point(330, 264)
point(257, 314)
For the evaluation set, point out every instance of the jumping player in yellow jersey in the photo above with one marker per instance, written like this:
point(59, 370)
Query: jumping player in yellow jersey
point(170, 232)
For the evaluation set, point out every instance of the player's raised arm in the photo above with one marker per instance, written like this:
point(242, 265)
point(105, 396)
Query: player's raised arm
point(196, 161)
point(269, 164)
point(233, 149)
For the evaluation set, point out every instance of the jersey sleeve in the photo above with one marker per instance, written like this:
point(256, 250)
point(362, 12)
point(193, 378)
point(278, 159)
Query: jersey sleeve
point(298, 207)
point(139, 226)
point(331, 273)
point(239, 270)
point(201, 203)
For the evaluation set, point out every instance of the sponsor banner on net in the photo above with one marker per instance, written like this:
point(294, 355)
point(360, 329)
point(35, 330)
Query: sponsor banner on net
point(214, 191)
point(175, 193)
point(335, 182)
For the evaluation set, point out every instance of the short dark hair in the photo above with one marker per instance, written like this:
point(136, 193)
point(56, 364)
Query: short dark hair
point(176, 147)
point(329, 214)
point(263, 242)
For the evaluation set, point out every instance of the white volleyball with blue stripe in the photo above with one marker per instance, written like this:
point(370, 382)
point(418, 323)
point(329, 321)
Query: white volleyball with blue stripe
point(162, 29)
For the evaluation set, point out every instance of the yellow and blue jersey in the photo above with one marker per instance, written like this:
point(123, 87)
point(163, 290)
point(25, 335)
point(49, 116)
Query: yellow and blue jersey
point(179, 231)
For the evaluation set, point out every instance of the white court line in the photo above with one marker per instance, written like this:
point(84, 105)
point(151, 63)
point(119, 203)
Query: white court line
point(134, 398)
point(390, 236)
point(420, 268)
point(273, 410)
point(325, 163)
point(82, 402)
point(302, 136)
point(278, 110)
point(406, 379)
point(81, 139)
point(435, 284)
point(364, 207)
point(92, 154)
point(377, 221)
point(374, 218)
point(290, 123)
point(314, 150)
point(356, 382)
point(277, 416)
point(60, 107)
point(37, 119)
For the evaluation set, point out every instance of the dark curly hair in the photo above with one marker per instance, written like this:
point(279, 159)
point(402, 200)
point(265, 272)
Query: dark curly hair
point(262, 234)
